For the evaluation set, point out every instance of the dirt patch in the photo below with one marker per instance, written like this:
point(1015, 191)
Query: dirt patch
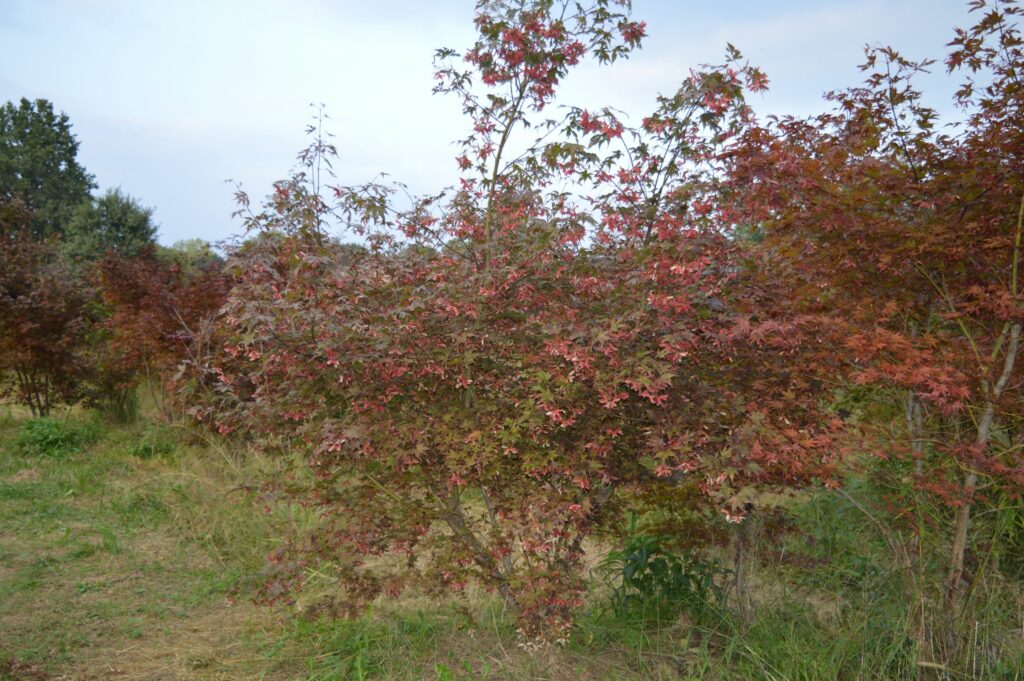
point(25, 475)
point(11, 668)
point(213, 644)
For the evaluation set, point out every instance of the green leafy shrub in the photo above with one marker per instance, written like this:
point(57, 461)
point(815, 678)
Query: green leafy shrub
point(54, 437)
point(647, 577)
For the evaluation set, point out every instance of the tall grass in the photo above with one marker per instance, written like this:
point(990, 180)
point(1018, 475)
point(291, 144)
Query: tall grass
point(82, 502)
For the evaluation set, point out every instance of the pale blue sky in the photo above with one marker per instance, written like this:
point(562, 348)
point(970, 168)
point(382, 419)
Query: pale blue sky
point(171, 98)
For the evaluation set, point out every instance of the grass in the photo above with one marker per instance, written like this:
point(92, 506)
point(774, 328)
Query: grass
point(111, 551)
point(123, 551)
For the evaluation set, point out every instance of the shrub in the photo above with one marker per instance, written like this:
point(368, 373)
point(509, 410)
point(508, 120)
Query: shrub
point(45, 318)
point(475, 386)
point(648, 579)
point(54, 437)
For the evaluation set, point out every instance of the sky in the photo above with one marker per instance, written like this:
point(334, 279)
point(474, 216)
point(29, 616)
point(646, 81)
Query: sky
point(176, 101)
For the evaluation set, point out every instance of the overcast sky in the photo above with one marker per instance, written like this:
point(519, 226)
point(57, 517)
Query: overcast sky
point(171, 98)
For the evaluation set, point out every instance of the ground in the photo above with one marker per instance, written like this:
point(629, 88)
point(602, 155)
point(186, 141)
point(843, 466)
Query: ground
point(99, 582)
point(121, 552)
point(125, 552)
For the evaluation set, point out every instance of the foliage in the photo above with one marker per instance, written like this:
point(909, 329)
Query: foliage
point(909, 237)
point(45, 317)
point(39, 165)
point(647, 578)
point(53, 437)
point(473, 387)
point(677, 510)
point(694, 320)
point(156, 316)
point(114, 221)
point(192, 255)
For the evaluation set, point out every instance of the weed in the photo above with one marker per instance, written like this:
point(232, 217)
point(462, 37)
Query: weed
point(646, 577)
point(54, 437)
point(155, 441)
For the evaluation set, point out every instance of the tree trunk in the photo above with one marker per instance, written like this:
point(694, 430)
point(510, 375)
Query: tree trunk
point(956, 563)
point(742, 564)
point(456, 520)
point(984, 434)
point(915, 427)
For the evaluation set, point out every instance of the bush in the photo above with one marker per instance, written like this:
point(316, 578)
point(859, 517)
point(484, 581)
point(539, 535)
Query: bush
point(53, 437)
point(46, 313)
point(649, 579)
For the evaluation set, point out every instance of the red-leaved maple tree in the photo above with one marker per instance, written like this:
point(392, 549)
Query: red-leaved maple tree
point(475, 383)
point(156, 316)
point(45, 315)
point(908, 236)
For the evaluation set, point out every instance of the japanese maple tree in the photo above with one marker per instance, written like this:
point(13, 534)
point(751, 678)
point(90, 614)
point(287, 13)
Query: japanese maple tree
point(475, 384)
point(155, 316)
point(909, 237)
point(45, 315)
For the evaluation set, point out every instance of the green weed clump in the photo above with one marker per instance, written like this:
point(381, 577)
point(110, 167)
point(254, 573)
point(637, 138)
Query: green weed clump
point(50, 437)
point(646, 577)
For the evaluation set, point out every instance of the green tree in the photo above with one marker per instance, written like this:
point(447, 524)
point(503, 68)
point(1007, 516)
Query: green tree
point(38, 164)
point(113, 222)
point(191, 255)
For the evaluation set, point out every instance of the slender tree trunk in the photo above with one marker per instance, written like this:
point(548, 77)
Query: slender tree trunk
point(46, 395)
point(963, 518)
point(984, 434)
point(455, 517)
point(742, 564)
point(506, 561)
point(915, 427)
point(26, 392)
point(35, 396)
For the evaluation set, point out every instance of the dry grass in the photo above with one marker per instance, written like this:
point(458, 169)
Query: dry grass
point(113, 566)
point(122, 560)
point(213, 642)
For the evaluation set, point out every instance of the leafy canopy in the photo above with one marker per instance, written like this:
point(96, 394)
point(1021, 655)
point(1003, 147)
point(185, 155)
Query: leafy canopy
point(39, 164)
point(112, 222)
